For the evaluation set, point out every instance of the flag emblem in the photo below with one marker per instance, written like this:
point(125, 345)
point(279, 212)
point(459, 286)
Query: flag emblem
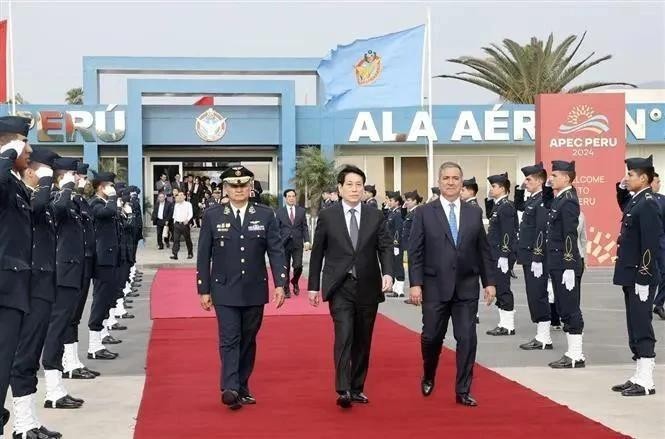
point(368, 68)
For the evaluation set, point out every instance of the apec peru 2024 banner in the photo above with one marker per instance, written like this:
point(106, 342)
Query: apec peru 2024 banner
point(590, 129)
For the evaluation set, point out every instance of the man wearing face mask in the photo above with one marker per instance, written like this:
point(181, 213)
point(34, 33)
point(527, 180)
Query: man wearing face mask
point(38, 177)
point(73, 367)
point(15, 244)
point(104, 210)
point(70, 258)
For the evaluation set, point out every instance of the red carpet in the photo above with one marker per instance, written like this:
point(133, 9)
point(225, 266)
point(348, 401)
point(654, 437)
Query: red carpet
point(173, 295)
point(293, 383)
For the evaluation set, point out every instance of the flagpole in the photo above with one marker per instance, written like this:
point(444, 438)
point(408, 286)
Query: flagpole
point(424, 66)
point(10, 25)
point(430, 141)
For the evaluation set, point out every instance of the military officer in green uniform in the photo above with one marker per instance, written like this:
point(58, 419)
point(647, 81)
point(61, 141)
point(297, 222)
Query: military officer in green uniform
point(232, 278)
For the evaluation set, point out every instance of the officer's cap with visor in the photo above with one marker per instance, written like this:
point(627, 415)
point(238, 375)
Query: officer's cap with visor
point(103, 177)
point(237, 176)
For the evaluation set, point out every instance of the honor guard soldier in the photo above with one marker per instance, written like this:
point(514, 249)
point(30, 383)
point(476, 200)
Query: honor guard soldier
point(39, 179)
point(469, 191)
point(370, 196)
point(70, 257)
point(531, 250)
point(564, 262)
point(232, 278)
point(502, 236)
point(134, 274)
point(411, 201)
point(637, 272)
point(395, 222)
point(104, 210)
point(659, 301)
point(73, 368)
point(15, 244)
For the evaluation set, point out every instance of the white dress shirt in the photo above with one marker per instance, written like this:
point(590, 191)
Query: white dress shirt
point(182, 212)
point(347, 215)
point(160, 211)
point(446, 208)
point(243, 209)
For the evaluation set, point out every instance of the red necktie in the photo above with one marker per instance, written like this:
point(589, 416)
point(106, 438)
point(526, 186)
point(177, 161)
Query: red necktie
point(291, 217)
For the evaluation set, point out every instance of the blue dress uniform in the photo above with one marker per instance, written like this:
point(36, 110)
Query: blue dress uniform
point(659, 301)
point(74, 368)
point(42, 284)
point(502, 237)
point(473, 185)
point(563, 256)
point(70, 258)
point(127, 236)
point(395, 223)
point(105, 215)
point(637, 272)
point(238, 280)
point(15, 254)
point(371, 201)
point(531, 250)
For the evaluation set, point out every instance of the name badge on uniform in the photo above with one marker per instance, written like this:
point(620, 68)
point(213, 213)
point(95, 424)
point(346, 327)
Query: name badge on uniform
point(223, 227)
point(255, 226)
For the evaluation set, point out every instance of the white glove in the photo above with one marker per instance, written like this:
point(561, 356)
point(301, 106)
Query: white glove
point(642, 291)
point(396, 250)
point(568, 279)
point(67, 178)
point(16, 145)
point(44, 171)
point(503, 265)
point(82, 183)
point(537, 269)
point(622, 184)
point(548, 182)
point(118, 202)
point(109, 191)
point(127, 208)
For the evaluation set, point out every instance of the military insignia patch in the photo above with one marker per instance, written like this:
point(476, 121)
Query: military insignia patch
point(368, 68)
point(252, 210)
point(210, 125)
point(227, 211)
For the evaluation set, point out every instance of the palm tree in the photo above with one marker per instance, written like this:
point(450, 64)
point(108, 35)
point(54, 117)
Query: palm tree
point(314, 173)
point(518, 73)
point(74, 96)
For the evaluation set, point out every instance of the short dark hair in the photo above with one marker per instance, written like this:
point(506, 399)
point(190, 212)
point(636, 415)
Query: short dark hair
point(649, 172)
point(473, 187)
point(655, 174)
point(290, 190)
point(572, 175)
point(350, 169)
point(397, 198)
point(542, 175)
point(506, 185)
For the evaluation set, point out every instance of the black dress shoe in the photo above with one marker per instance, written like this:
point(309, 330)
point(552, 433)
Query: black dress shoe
point(426, 387)
point(62, 403)
point(37, 433)
point(109, 339)
point(566, 362)
point(466, 400)
point(174, 257)
point(247, 399)
point(231, 399)
point(391, 294)
point(499, 331)
point(94, 372)
point(128, 306)
point(190, 256)
point(128, 301)
point(359, 397)
point(296, 289)
point(118, 327)
point(4, 416)
point(127, 316)
point(659, 311)
point(344, 400)
point(102, 354)
point(78, 374)
point(535, 345)
point(637, 390)
point(79, 400)
point(621, 387)
point(477, 320)
point(132, 295)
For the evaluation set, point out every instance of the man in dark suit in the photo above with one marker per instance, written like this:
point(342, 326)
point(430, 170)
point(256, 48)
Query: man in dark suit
point(15, 243)
point(295, 236)
point(353, 238)
point(448, 254)
point(161, 215)
point(637, 272)
point(232, 277)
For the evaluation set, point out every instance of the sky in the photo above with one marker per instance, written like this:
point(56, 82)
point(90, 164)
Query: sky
point(51, 37)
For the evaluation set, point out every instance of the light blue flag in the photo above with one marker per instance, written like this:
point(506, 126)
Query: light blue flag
point(377, 72)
